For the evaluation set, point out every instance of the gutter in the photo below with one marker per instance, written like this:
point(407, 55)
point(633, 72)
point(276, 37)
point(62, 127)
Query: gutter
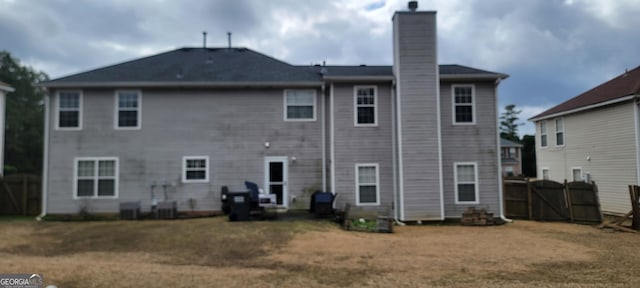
point(500, 184)
point(194, 84)
point(45, 164)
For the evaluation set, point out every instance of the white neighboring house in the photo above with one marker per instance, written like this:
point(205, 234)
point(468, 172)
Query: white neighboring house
point(4, 90)
point(595, 136)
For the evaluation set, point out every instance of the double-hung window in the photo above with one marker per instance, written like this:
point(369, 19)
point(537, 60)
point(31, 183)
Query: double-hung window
point(96, 177)
point(466, 180)
point(195, 169)
point(128, 104)
point(69, 110)
point(463, 104)
point(560, 132)
point(367, 184)
point(365, 105)
point(545, 173)
point(577, 173)
point(543, 134)
point(300, 105)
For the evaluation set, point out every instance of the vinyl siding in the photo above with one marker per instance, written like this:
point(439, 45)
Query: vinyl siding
point(229, 126)
point(471, 143)
point(355, 145)
point(415, 69)
point(607, 136)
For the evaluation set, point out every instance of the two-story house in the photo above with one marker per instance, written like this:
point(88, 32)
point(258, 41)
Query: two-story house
point(510, 157)
point(595, 136)
point(417, 137)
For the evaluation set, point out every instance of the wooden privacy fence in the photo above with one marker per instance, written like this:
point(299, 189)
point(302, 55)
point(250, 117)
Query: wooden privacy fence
point(20, 194)
point(552, 201)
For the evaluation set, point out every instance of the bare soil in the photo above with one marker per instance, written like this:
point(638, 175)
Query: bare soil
point(212, 252)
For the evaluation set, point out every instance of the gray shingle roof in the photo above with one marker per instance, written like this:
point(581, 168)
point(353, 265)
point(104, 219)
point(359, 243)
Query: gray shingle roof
point(508, 143)
point(229, 65)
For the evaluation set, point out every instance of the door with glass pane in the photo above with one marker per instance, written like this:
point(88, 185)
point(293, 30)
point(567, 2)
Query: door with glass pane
point(275, 182)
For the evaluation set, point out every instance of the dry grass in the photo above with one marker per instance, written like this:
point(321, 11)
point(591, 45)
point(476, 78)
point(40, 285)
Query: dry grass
point(212, 252)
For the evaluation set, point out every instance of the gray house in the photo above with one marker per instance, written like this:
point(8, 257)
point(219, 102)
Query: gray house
point(419, 138)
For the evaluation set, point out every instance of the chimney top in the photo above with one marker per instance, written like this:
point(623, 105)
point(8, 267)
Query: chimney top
point(413, 6)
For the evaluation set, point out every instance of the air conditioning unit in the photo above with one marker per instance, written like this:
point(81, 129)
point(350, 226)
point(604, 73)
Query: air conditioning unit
point(167, 210)
point(130, 210)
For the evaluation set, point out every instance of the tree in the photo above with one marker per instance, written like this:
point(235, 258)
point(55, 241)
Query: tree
point(509, 123)
point(24, 116)
point(529, 156)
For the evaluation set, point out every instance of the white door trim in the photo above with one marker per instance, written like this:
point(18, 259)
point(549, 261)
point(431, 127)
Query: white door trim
point(285, 177)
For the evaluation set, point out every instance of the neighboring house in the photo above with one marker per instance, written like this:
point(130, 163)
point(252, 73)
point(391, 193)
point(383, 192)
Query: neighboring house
point(416, 137)
point(594, 137)
point(511, 157)
point(4, 90)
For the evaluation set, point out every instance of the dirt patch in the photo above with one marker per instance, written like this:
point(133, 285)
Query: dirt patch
point(215, 253)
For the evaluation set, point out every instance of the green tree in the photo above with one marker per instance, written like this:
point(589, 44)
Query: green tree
point(509, 123)
point(24, 116)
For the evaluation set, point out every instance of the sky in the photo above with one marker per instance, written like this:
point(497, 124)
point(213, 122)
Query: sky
point(553, 50)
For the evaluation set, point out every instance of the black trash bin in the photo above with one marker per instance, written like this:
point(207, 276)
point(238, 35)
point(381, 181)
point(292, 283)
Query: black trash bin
point(322, 203)
point(240, 206)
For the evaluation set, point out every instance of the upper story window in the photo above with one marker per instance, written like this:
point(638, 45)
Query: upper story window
point(96, 177)
point(367, 184)
point(543, 134)
point(463, 104)
point(560, 132)
point(300, 105)
point(509, 153)
point(195, 169)
point(69, 110)
point(128, 104)
point(466, 179)
point(365, 105)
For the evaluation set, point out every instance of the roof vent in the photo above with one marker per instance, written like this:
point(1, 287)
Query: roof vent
point(413, 6)
point(363, 65)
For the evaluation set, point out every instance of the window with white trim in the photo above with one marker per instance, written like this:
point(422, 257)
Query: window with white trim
point(96, 177)
point(463, 104)
point(367, 184)
point(128, 103)
point(576, 172)
point(69, 110)
point(195, 169)
point(365, 105)
point(545, 173)
point(560, 132)
point(543, 134)
point(466, 181)
point(300, 105)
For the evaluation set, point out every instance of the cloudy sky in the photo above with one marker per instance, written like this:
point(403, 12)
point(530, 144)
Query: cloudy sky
point(553, 49)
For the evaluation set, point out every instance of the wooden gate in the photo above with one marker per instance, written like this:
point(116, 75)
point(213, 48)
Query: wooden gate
point(552, 201)
point(20, 194)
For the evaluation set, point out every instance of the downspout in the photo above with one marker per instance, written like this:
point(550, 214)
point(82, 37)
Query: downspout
point(324, 142)
point(500, 190)
point(332, 134)
point(396, 216)
point(636, 118)
point(45, 164)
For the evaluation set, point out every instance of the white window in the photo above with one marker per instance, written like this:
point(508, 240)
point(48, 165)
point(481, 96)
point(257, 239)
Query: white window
point(543, 134)
point(508, 170)
point(560, 132)
point(69, 116)
point(96, 177)
point(367, 184)
point(128, 104)
point(545, 173)
point(195, 169)
point(577, 173)
point(300, 105)
point(463, 104)
point(365, 105)
point(466, 179)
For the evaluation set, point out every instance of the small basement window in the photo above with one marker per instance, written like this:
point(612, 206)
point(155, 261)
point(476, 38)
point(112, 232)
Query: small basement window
point(195, 169)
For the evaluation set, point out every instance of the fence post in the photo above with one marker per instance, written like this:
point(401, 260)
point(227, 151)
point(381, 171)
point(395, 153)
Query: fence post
point(25, 192)
point(567, 199)
point(529, 208)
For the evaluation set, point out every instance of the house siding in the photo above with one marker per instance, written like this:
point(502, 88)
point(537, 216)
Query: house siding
point(600, 141)
point(416, 72)
point(229, 126)
point(471, 143)
point(354, 145)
